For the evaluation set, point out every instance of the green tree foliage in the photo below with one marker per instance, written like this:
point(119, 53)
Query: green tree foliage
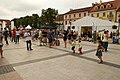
point(48, 16)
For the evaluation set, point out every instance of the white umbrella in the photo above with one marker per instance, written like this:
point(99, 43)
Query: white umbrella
point(28, 27)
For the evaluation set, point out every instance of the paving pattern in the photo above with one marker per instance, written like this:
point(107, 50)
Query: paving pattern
point(58, 63)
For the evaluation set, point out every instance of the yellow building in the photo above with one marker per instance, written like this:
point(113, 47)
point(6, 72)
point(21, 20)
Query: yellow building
point(103, 10)
point(106, 10)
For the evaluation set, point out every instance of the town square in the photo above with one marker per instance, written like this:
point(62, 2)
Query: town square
point(60, 40)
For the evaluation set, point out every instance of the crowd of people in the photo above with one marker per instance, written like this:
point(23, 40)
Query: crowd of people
point(50, 37)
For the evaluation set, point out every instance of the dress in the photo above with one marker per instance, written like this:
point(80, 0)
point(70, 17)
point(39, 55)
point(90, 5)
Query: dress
point(65, 35)
point(99, 52)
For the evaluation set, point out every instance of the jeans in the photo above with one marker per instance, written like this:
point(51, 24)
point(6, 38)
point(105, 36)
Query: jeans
point(6, 40)
point(17, 38)
point(14, 38)
point(105, 45)
point(29, 44)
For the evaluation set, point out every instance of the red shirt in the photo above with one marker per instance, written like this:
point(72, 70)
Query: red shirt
point(14, 31)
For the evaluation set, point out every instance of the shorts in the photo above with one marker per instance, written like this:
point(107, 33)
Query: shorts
point(1, 45)
point(65, 38)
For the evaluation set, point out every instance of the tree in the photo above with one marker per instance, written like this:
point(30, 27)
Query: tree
point(48, 16)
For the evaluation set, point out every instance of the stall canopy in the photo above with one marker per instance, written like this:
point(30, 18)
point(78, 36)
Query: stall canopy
point(28, 27)
point(90, 21)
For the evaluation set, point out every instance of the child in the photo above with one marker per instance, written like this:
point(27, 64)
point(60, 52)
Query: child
point(80, 47)
point(99, 51)
point(73, 46)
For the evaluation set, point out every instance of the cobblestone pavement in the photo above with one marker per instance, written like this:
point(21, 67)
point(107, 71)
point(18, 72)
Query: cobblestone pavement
point(58, 63)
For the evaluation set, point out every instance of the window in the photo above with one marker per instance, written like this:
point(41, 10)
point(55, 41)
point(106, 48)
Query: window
point(92, 15)
point(96, 8)
point(69, 16)
point(74, 15)
point(101, 7)
point(104, 14)
point(65, 22)
point(66, 16)
point(109, 5)
point(84, 14)
point(79, 15)
point(97, 14)
point(111, 14)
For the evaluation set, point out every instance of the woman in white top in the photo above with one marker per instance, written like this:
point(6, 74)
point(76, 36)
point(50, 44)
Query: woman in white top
point(17, 36)
point(105, 40)
point(28, 40)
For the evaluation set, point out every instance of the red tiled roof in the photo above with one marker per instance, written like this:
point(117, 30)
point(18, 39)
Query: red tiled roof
point(60, 17)
point(79, 10)
point(7, 21)
point(114, 4)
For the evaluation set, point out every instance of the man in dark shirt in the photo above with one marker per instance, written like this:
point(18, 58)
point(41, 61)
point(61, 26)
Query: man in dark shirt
point(5, 35)
point(50, 38)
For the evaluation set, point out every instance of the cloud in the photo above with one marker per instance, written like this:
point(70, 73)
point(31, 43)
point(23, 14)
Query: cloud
point(25, 7)
point(19, 8)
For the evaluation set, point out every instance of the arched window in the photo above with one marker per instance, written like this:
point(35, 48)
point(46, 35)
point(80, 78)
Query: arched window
point(101, 7)
point(96, 7)
point(109, 5)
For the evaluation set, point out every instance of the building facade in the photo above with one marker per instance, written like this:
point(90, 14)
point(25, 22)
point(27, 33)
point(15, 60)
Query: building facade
point(4, 23)
point(60, 21)
point(106, 10)
point(103, 10)
point(75, 14)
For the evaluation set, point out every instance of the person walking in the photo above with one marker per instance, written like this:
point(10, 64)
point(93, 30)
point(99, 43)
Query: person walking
point(14, 35)
point(65, 38)
point(17, 35)
point(99, 51)
point(6, 36)
point(40, 37)
point(1, 45)
point(94, 37)
point(1, 35)
point(113, 37)
point(50, 38)
point(80, 46)
point(105, 40)
point(73, 45)
point(28, 40)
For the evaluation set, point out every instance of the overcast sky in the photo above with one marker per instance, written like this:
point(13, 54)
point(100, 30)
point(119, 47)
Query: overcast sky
point(10, 9)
